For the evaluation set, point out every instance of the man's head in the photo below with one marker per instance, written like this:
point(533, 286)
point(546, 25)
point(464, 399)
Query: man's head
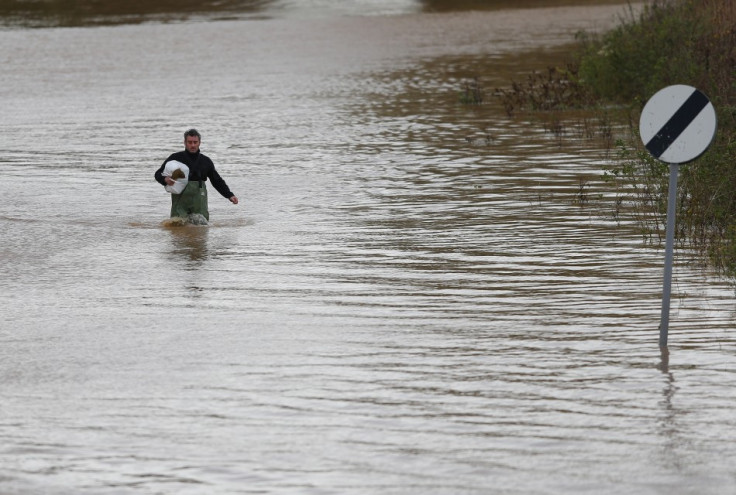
point(192, 140)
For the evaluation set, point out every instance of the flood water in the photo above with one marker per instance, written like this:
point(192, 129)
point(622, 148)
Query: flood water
point(409, 298)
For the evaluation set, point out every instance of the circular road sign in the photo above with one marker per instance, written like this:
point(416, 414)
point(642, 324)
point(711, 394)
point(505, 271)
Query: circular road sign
point(677, 124)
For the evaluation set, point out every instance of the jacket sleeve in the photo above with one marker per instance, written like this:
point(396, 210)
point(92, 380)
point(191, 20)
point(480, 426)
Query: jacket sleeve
point(159, 173)
point(220, 184)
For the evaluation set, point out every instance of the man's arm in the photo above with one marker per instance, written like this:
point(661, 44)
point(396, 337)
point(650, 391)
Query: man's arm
point(159, 176)
point(219, 184)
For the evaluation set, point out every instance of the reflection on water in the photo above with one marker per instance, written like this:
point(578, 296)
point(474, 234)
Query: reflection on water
point(669, 423)
point(409, 298)
point(189, 243)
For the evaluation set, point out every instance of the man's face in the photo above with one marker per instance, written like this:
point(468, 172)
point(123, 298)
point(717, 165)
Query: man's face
point(191, 143)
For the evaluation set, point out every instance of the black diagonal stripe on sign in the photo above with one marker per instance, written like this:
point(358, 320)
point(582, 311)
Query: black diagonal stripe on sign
point(677, 123)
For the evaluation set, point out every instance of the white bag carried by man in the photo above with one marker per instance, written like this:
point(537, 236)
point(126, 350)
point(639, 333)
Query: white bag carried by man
point(180, 173)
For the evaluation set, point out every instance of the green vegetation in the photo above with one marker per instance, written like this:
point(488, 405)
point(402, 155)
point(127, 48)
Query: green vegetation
point(668, 42)
point(675, 42)
point(472, 93)
point(556, 88)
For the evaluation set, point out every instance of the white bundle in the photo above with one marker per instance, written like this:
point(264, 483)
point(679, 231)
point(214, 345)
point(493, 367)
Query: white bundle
point(181, 183)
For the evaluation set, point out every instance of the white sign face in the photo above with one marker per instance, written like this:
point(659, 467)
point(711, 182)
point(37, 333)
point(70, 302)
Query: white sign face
point(677, 124)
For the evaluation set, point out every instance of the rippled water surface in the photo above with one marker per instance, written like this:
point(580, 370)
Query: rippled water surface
point(410, 298)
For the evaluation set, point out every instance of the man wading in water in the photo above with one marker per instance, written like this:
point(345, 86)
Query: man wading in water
point(193, 199)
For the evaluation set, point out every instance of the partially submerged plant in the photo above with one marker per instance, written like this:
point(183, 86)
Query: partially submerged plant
point(472, 93)
point(557, 88)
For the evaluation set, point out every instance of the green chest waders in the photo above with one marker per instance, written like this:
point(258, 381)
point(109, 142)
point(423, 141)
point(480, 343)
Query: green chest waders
point(193, 199)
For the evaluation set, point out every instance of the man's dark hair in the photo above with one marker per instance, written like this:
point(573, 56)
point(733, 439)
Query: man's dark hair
point(192, 133)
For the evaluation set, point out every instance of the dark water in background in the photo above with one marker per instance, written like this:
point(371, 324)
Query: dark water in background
point(409, 299)
point(32, 13)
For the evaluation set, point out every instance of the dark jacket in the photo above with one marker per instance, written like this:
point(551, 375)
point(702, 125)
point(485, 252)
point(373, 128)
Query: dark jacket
point(201, 168)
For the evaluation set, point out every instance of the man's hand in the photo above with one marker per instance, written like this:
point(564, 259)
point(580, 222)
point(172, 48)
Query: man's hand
point(234, 200)
point(169, 181)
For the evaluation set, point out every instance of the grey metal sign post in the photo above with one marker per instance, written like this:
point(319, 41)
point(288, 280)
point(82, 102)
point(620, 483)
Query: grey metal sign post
point(676, 126)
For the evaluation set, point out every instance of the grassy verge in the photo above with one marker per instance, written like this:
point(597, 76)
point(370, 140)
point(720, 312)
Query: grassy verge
point(668, 42)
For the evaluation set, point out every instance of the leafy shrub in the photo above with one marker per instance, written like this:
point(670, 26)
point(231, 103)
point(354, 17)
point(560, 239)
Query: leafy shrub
point(674, 42)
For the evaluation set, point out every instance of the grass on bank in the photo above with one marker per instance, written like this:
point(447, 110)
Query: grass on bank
point(668, 42)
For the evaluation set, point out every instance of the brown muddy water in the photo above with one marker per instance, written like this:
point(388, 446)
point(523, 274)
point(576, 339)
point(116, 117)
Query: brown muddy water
point(410, 297)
